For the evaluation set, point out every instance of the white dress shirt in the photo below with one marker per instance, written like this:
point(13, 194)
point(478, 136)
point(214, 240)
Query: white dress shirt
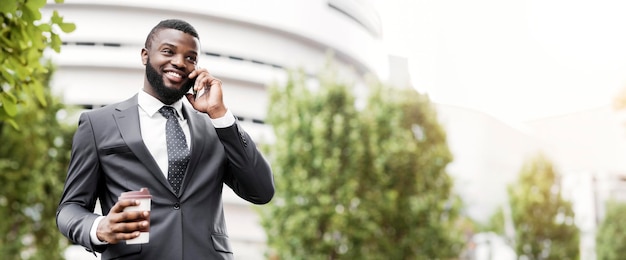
point(152, 125)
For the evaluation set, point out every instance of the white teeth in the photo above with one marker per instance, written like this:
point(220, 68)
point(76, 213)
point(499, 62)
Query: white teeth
point(174, 74)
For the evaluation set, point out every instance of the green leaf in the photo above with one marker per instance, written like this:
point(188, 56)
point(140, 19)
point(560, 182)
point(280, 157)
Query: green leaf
point(56, 18)
point(7, 73)
point(12, 123)
point(8, 6)
point(35, 4)
point(10, 96)
point(30, 15)
point(8, 104)
point(55, 42)
point(32, 7)
point(67, 27)
point(45, 27)
point(39, 92)
point(32, 56)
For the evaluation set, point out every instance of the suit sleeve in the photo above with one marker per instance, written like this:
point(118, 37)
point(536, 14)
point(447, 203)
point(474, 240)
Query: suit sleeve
point(75, 212)
point(247, 172)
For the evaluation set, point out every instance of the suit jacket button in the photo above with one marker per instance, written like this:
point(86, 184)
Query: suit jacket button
point(176, 206)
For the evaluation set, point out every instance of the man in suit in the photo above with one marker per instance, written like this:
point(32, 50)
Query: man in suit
point(126, 146)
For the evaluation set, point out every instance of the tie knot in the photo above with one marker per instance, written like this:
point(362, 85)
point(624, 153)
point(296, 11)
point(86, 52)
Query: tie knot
point(167, 111)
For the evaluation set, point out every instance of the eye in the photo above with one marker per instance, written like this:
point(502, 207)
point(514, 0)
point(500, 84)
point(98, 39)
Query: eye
point(192, 59)
point(167, 51)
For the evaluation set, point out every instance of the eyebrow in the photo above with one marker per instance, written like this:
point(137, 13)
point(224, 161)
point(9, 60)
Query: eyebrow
point(172, 46)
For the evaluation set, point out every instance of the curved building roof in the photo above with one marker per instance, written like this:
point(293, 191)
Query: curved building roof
point(248, 44)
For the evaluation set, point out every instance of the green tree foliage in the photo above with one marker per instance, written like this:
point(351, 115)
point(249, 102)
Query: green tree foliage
point(496, 223)
point(23, 40)
point(33, 163)
point(611, 238)
point(354, 183)
point(543, 220)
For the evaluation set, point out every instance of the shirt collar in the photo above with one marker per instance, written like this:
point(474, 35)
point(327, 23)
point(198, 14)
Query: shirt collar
point(151, 105)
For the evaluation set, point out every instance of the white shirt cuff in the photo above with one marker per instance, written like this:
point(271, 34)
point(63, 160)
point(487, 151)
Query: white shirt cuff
point(227, 120)
point(92, 232)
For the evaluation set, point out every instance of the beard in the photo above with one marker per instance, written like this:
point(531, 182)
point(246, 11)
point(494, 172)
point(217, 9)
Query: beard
point(167, 95)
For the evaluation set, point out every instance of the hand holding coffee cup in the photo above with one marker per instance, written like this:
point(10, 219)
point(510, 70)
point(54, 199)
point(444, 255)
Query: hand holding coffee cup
point(144, 198)
point(122, 224)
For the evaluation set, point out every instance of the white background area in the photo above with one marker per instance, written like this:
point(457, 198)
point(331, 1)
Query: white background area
point(515, 60)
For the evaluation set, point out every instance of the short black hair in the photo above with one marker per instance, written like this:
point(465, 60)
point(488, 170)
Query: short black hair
point(171, 24)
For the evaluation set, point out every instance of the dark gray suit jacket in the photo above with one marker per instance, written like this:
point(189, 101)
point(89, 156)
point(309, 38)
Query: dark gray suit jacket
point(109, 157)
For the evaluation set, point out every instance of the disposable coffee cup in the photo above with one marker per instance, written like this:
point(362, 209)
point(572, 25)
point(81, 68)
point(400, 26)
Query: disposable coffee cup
point(144, 197)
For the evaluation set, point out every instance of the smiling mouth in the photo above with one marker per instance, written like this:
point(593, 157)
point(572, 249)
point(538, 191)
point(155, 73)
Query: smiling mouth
point(174, 75)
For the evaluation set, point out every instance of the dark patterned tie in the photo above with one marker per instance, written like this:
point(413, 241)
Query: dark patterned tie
point(177, 151)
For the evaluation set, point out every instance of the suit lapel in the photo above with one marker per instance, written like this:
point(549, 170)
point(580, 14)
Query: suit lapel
point(196, 126)
point(127, 119)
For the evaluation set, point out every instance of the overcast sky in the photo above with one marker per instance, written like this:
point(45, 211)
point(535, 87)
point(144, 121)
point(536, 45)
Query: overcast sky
point(516, 60)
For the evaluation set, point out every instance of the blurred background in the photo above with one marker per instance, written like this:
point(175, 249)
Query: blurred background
point(506, 79)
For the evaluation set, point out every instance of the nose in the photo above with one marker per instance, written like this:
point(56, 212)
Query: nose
point(178, 61)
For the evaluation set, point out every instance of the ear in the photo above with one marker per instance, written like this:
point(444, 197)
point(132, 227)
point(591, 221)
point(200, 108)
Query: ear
point(144, 56)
